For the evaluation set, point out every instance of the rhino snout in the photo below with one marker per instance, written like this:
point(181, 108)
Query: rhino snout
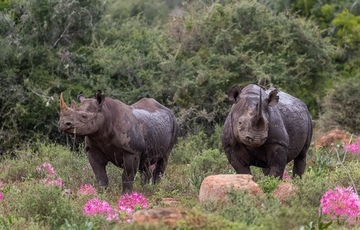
point(65, 126)
point(249, 139)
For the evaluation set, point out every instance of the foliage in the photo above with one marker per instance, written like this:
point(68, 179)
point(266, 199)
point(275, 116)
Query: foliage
point(29, 203)
point(214, 47)
point(38, 39)
point(268, 184)
point(134, 49)
point(341, 106)
point(188, 147)
point(209, 162)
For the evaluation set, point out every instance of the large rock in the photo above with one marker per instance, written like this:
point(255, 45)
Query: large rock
point(215, 188)
point(332, 138)
point(284, 191)
point(168, 216)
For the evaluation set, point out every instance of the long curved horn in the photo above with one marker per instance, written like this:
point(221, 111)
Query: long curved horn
point(259, 112)
point(63, 105)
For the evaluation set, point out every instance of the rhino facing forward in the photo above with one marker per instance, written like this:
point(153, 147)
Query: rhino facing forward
point(267, 129)
point(131, 137)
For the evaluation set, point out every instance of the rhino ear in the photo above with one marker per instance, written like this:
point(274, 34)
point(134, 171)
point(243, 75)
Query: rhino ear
point(80, 97)
point(273, 98)
point(234, 93)
point(99, 97)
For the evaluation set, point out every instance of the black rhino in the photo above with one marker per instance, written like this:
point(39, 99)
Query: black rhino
point(131, 137)
point(267, 129)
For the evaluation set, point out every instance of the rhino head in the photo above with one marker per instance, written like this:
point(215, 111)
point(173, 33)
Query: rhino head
point(249, 114)
point(84, 119)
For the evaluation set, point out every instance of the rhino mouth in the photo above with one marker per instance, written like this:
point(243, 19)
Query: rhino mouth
point(67, 129)
point(253, 141)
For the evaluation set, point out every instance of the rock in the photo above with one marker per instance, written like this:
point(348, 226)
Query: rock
point(215, 188)
point(169, 201)
point(168, 216)
point(331, 138)
point(284, 191)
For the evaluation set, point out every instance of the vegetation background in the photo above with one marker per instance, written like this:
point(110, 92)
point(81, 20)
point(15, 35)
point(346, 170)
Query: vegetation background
point(186, 55)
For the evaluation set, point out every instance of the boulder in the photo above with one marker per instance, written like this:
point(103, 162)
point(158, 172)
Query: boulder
point(168, 216)
point(332, 138)
point(284, 191)
point(168, 201)
point(215, 188)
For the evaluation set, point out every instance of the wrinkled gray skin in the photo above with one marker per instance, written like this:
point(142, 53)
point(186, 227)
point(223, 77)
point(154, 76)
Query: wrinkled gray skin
point(267, 129)
point(131, 137)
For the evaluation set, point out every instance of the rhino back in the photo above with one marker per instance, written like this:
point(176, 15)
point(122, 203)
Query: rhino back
point(158, 125)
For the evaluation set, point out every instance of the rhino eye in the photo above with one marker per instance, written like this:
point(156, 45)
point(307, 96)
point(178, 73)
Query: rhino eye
point(83, 116)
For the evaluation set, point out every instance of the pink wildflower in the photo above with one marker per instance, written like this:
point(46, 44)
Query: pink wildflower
point(341, 202)
point(126, 205)
point(97, 207)
point(353, 148)
point(50, 175)
point(57, 182)
point(286, 176)
point(128, 202)
point(1, 196)
point(86, 189)
point(49, 170)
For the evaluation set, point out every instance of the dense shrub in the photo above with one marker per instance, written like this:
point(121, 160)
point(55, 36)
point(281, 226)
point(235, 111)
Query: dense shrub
point(341, 106)
point(214, 47)
point(132, 49)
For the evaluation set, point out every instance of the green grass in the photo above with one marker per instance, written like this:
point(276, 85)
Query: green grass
point(30, 204)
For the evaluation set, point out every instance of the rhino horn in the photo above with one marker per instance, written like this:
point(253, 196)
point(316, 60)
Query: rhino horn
point(63, 105)
point(259, 112)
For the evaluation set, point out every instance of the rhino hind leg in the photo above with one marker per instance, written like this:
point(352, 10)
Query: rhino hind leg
point(300, 160)
point(300, 163)
point(145, 172)
point(159, 170)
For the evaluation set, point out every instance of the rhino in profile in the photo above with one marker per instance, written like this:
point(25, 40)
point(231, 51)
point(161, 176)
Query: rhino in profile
point(266, 129)
point(132, 137)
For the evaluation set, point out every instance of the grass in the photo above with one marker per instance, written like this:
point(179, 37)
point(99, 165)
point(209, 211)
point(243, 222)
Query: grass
point(28, 203)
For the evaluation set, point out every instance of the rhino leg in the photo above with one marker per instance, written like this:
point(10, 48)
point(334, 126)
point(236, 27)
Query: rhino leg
point(300, 163)
point(131, 164)
point(277, 161)
point(98, 166)
point(145, 172)
point(266, 171)
point(300, 160)
point(235, 160)
point(159, 170)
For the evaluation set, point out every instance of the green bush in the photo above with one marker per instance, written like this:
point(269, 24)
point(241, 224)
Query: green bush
point(240, 42)
point(209, 162)
point(341, 106)
point(188, 147)
point(45, 204)
point(268, 184)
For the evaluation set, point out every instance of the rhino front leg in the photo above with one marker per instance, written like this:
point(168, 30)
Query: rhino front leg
point(98, 166)
point(131, 164)
point(277, 157)
point(234, 158)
